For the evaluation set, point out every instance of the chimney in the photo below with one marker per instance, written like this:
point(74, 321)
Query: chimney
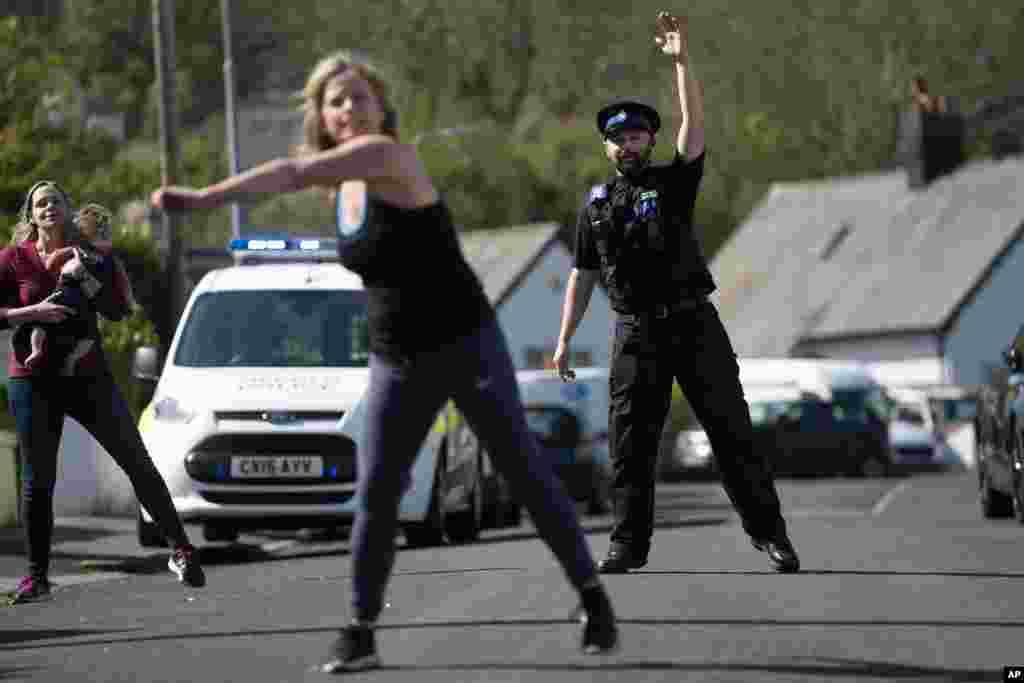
point(932, 136)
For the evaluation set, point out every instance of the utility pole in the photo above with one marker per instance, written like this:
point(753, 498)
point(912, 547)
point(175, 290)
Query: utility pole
point(163, 47)
point(230, 115)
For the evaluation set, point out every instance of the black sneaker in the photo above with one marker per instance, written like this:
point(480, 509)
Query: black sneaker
point(781, 552)
point(620, 559)
point(600, 634)
point(30, 589)
point(184, 562)
point(354, 650)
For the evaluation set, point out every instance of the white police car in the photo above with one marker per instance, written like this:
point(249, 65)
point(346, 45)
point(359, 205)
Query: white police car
point(256, 413)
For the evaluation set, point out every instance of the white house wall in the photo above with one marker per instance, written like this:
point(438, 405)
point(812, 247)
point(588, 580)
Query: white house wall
point(878, 348)
point(531, 315)
point(987, 325)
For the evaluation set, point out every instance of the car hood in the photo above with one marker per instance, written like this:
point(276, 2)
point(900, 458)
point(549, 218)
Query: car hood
point(295, 389)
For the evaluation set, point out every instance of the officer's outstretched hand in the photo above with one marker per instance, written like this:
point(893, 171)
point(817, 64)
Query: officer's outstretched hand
point(670, 34)
point(561, 360)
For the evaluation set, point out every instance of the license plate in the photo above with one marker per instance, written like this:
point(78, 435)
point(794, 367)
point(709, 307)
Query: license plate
point(277, 467)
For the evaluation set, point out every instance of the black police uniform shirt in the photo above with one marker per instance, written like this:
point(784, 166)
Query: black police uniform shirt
point(421, 292)
point(638, 232)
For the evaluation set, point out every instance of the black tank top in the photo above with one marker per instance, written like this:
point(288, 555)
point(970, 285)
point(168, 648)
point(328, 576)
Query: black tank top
point(422, 294)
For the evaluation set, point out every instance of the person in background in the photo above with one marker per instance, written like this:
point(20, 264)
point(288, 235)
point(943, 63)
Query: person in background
point(70, 338)
point(40, 398)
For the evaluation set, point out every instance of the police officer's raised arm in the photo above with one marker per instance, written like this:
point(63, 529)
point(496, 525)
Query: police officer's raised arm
point(671, 37)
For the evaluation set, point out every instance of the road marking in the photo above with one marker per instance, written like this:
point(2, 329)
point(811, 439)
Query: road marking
point(880, 506)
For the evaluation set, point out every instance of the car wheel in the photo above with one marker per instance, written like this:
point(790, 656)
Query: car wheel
point(994, 504)
point(429, 532)
point(1018, 480)
point(149, 533)
point(221, 533)
point(1018, 497)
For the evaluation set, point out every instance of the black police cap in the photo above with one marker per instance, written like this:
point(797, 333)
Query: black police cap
point(627, 115)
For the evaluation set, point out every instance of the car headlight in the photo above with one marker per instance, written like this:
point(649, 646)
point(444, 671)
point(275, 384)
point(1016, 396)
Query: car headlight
point(168, 409)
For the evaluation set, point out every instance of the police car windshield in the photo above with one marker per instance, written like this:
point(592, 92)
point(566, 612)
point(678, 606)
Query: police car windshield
point(276, 329)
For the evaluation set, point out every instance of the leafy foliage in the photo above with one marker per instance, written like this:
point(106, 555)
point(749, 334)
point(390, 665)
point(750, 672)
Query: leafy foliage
point(501, 93)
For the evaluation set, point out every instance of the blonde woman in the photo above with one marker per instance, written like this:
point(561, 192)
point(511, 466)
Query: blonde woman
point(395, 231)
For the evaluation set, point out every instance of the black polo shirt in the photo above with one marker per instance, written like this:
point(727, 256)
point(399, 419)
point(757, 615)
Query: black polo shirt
point(638, 232)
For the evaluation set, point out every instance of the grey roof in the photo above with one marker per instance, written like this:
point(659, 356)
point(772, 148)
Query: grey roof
point(503, 257)
point(865, 255)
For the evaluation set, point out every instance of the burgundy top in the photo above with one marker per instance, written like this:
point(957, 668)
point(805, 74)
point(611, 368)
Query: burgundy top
point(24, 281)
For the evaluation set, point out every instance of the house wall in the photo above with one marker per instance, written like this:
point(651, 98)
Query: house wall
point(973, 345)
point(873, 348)
point(531, 316)
point(987, 325)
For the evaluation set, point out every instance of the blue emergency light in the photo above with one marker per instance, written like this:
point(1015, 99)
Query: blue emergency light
point(278, 247)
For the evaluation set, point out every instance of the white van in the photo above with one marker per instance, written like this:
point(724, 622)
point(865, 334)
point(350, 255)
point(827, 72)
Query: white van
point(255, 416)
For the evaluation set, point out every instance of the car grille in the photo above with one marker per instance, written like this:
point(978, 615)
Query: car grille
point(210, 460)
point(276, 498)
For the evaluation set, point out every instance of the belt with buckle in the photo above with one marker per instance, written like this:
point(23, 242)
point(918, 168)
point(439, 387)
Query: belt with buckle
point(662, 311)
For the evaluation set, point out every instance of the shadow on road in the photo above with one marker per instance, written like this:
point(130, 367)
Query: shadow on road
point(248, 553)
point(852, 669)
point(833, 668)
point(18, 672)
point(833, 572)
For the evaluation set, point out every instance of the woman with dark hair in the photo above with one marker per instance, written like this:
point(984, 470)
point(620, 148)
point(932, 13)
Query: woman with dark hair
point(433, 336)
point(41, 396)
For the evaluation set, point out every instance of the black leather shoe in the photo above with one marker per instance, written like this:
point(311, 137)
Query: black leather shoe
point(620, 559)
point(600, 634)
point(781, 552)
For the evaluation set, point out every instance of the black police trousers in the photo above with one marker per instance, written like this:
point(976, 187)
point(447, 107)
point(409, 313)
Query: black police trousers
point(692, 347)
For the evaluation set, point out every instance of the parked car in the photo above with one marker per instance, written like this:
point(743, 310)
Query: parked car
point(999, 427)
point(810, 417)
point(955, 410)
point(570, 422)
point(918, 443)
point(256, 412)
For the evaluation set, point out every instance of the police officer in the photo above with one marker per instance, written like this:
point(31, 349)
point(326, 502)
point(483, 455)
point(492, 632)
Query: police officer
point(635, 233)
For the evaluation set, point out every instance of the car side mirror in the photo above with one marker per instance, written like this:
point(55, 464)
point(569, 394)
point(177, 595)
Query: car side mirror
point(146, 365)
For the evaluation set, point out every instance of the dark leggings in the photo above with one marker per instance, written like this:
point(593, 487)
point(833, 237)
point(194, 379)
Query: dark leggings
point(39, 405)
point(402, 402)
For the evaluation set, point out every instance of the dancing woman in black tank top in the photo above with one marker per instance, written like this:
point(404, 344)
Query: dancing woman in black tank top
point(396, 233)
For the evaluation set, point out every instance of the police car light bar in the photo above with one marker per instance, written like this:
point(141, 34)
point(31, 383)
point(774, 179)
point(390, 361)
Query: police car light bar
point(278, 248)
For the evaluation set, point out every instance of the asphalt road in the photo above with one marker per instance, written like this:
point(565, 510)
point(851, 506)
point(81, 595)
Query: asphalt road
point(903, 581)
